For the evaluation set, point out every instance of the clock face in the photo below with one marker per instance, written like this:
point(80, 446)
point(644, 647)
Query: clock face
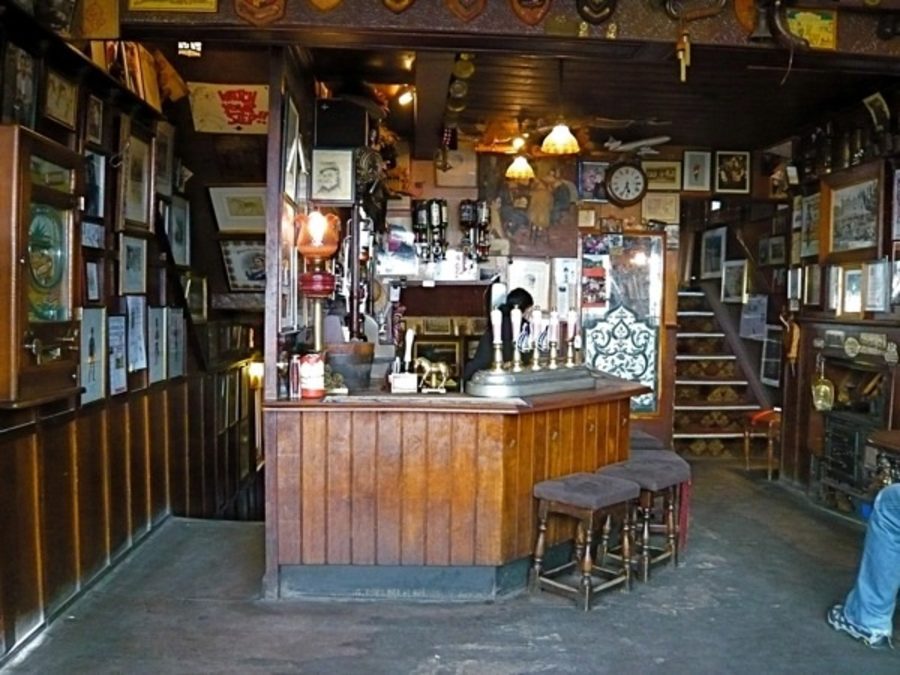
point(625, 184)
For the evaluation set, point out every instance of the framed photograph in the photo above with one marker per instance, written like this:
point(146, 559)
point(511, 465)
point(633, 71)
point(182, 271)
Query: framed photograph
point(94, 122)
point(664, 207)
point(442, 351)
point(662, 175)
point(239, 208)
point(696, 166)
point(734, 281)
point(178, 230)
point(245, 264)
point(437, 325)
point(20, 90)
point(164, 168)
point(174, 342)
point(809, 225)
point(812, 287)
point(876, 286)
point(534, 276)
point(136, 352)
point(777, 250)
point(92, 287)
point(762, 256)
point(851, 208)
point(460, 169)
point(92, 372)
point(732, 172)
point(156, 344)
point(93, 235)
point(770, 359)
point(137, 183)
point(132, 265)
point(795, 283)
point(852, 301)
point(60, 99)
point(592, 181)
point(712, 253)
point(333, 177)
point(195, 295)
point(835, 288)
point(797, 212)
point(94, 184)
point(118, 373)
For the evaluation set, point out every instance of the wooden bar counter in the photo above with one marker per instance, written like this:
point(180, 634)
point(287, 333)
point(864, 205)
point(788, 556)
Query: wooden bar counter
point(423, 495)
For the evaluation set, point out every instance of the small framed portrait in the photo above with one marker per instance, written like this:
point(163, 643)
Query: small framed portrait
point(777, 249)
point(245, 263)
point(136, 165)
point(733, 171)
point(178, 230)
point(239, 208)
point(20, 92)
point(118, 373)
point(712, 253)
point(333, 179)
point(592, 181)
point(175, 341)
point(662, 175)
point(60, 99)
point(132, 264)
point(94, 184)
point(93, 235)
point(770, 358)
point(696, 165)
point(92, 281)
point(852, 300)
point(156, 344)
point(734, 281)
point(94, 123)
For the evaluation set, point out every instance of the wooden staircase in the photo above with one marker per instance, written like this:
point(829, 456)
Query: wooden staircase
point(713, 399)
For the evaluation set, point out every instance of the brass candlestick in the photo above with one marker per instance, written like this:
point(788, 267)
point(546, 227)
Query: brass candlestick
point(498, 358)
point(553, 365)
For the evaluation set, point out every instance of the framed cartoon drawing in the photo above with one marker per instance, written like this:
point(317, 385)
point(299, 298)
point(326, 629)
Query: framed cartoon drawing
point(245, 263)
point(132, 265)
point(333, 177)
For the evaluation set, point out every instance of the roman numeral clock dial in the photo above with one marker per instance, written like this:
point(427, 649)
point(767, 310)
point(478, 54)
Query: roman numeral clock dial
point(626, 183)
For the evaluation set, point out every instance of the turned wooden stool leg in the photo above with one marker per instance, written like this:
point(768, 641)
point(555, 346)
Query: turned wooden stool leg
point(770, 450)
point(647, 513)
point(671, 539)
point(604, 540)
point(579, 542)
point(539, 546)
point(627, 535)
point(747, 448)
point(587, 563)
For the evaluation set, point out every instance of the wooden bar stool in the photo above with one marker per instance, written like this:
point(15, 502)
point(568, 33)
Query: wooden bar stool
point(589, 498)
point(771, 419)
point(659, 479)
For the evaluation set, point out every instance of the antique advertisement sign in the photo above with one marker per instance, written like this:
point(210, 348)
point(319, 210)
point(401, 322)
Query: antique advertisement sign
point(466, 9)
point(173, 5)
point(230, 108)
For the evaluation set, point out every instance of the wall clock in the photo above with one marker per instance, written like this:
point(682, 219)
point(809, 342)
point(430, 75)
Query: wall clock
point(626, 183)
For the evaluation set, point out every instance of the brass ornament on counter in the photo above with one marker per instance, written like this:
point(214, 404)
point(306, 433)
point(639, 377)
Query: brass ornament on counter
point(466, 9)
point(259, 12)
point(531, 12)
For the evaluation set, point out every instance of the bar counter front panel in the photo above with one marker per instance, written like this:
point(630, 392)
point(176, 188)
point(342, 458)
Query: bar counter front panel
point(413, 485)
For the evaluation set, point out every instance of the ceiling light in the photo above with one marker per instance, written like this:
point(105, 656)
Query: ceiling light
point(406, 96)
point(560, 141)
point(520, 169)
point(518, 143)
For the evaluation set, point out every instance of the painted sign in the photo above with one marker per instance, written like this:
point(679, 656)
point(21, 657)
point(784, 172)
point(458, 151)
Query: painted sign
point(230, 108)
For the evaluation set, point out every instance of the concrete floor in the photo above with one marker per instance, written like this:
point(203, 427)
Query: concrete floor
point(761, 568)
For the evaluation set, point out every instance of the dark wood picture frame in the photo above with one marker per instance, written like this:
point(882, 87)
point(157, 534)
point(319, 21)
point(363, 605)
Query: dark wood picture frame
point(843, 190)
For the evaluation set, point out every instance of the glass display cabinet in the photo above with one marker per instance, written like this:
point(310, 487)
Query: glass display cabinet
point(37, 268)
point(622, 308)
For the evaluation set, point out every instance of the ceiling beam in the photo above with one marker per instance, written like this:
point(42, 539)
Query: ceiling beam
point(433, 71)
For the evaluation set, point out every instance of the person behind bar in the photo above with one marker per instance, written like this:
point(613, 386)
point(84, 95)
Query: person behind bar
point(484, 354)
point(868, 611)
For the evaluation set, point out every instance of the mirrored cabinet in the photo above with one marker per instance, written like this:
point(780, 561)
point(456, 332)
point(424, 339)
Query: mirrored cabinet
point(38, 279)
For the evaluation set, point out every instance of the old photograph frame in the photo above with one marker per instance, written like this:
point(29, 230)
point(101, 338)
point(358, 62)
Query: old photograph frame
point(592, 181)
point(93, 127)
point(696, 170)
point(92, 370)
point(60, 99)
point(712, 252)
point(137, 183)
point(851, 213)
point(662, 174)
point(734, 281)
point(876, 286)
point(812, 285)
point(732, 172)
point(239, 209)
point(333, 177)
point(178, 230)
point(132, 264)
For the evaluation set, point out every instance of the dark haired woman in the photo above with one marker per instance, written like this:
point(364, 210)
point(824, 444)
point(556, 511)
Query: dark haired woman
point(484, 354)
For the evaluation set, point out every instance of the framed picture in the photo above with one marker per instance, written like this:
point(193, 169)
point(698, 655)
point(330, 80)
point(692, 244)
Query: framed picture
point(696, 166)
point(136, 352)
point(895, 206)
point(712, 253)
point(592, 181)
point(437, 325)
point(777, 250)
point(459, 170)
point(442, 351)
point(245, 264)
point(92, 287)
point(137, 183)
point(132, 265)
point(534, 276)
point(770, 359)
point(288, 269)
point(156, 344)
point(60, 100)
point(174, 342)
point(732, 172)
point(852, 300)
point(195, 296)
point(291, 136)
point(662, 175)
point(876, 286)
point(835, 288)
point(93, 235)
point(663, 207)
point(809, 228)
point(333, 177)
point(762, 256)
point(165, 158)
point(895, 275)
point(812, 288)
point(94, 122)
point(20, 90)
point(239, 208)
point(92, 373)
point(851, 212)
point(178, 230)
point(94, 184)
point(734, 281)
point(118, 373)
point(795, 283)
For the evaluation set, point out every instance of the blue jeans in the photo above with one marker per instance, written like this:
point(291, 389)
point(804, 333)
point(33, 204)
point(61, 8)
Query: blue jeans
point(870, 604)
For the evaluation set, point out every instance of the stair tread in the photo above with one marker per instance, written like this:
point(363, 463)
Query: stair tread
point(708, 381)
point(702, 357)
point(728, 407)
point(695, 312)
point(691, 294)
point(700, 335)
point(681, 435)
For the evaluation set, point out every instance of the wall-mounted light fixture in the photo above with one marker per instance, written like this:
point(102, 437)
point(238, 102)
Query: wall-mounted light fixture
point(406, 96)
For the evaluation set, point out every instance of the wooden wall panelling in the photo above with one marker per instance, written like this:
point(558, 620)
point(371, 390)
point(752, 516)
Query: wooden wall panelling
point(195, 452)
point(464, 452)
point(217, 437)
point(159, 454)
point(21, 578)
point(118, 419)
point(139, 463)
point(286, 442)
point(212, 472)
point(58, 512)
point(413, 489)
point(339, 482)
point(388, 498)
point(522, 427)
point(363, 525)
point(511, 455)
point(437, 492)
point(93, 491)
point(177, 408)
point(312, 464)
point(489, 502)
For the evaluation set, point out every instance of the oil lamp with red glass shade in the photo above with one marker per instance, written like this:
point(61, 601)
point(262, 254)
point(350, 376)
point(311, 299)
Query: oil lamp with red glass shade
point(317, 241)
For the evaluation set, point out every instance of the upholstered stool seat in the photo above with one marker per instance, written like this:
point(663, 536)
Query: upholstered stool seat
point(589, 498)
point(658, 478)
point(641, 440)
point(642, 455)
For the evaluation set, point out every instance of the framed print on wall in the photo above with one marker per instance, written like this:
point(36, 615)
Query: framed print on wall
point(94, 184)
point(132, 265)
point(777, 250)
point(732, 172)
point(118, 375)
point(165, 158)
point(734, 281)
point(662, 207)
point(712, 253)
point(812, 288)
point(239, 208)
point(60, 99)
point(178, 230)
point(835, 288)
point(20, 90)
point(851, 212)
point(662, 175)
point(137, 183)
point(592, 181)
point(794, 283)
point(333, 178)
point(461, 168)
point(696, 168)
point(809, 225)
point(895, 206)
point(852, 300)
point(245, 263)
point(156, 344)
point(94, 123)
point(876, 286)
point(92, 374)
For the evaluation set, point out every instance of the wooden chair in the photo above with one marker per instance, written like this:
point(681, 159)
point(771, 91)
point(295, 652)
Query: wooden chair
point(771, 420)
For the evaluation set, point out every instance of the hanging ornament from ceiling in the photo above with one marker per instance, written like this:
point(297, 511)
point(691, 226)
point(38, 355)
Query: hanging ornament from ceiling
point(259, 12)
point(531, 11)
point(466, 9)
point(325, 5)
point(397, 6)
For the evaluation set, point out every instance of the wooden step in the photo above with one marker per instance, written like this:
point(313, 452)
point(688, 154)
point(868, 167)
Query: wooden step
point(712, 383)
point(694, 313)
point(700, 335)
point(691, 294)
point(686, 435)
point(731, 407)
point(705, 357)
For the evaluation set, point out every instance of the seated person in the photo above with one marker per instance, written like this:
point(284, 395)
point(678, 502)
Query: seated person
point(484, 354)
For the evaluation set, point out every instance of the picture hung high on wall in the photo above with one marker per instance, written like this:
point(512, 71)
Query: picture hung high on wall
point(132, 265)
point(137, 183)
point(60, 99)
point(94, 123)
point(732, 171)
point(20, 90)
point(734, 281)
point(333, 177)
point(712, 253)
point(245, 263)
point(696, 169)
point(592, 181)
point(178, 230)
point(851, 206)
point(809, 225)
point(662, 175)
point(239, 208)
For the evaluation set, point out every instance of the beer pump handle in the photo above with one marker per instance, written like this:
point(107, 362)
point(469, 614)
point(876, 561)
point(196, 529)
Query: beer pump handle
point(407, 354)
